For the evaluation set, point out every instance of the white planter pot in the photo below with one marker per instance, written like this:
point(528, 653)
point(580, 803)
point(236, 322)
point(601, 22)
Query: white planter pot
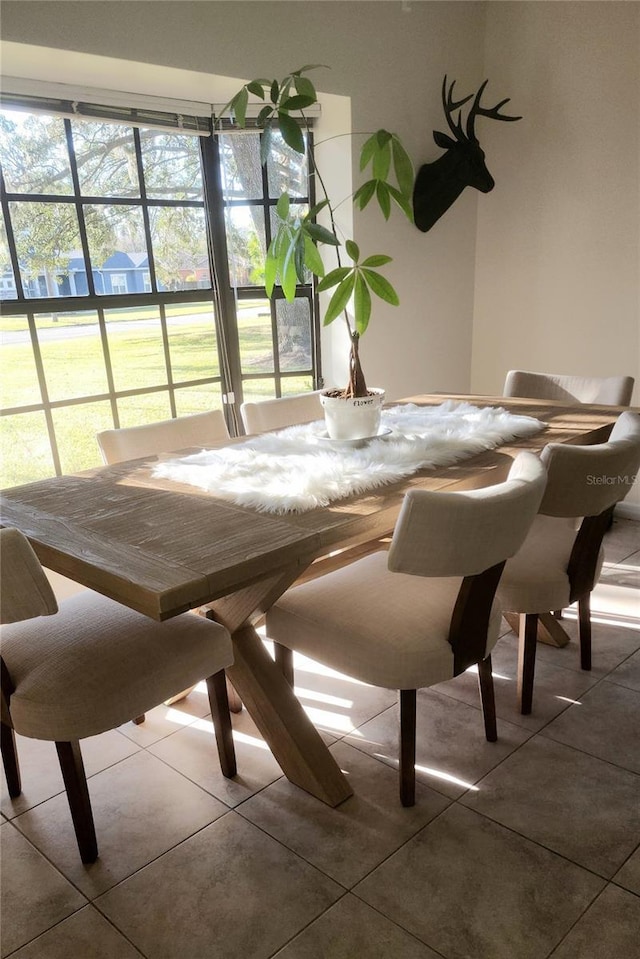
point(353, 419)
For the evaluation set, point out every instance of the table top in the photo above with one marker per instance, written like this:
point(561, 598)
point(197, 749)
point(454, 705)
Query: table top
point(161, 547)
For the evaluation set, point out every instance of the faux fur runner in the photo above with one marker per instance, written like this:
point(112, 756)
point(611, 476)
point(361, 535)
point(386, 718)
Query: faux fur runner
point(296, 470)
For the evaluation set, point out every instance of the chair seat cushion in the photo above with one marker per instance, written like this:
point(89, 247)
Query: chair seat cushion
point(96, 664)
point(383, 628)
point(535, 580)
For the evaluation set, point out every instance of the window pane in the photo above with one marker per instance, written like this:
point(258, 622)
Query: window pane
point(19, 380)
point(136, 348)
point(72, 355)
point(147, 408)
point(179, 238)
point(254, 391)
point(7, 279)
point(286, 170)
point(171, 164)
point(117, 247)
point(76, 428)
point(294, 334)
point(246, 244)
point(48, 245)
point(33, 153)
point(192, 342)
point(240, 166)
point(198, 399)
point(256, 340)
point(290, 385)
point(24, 448)
point(106, 159)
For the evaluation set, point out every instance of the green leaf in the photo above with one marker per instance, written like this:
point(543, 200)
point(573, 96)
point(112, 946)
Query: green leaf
point(381, 287)
point(403, 167)
point(333, 278)
point(265, 142)
point(377, 259)
point(262, 116)
point(361, 305)
point(312, 257)
point(382, 161)
point(403, 202)
point(364, 193)
point(297, 103)
point(240, 107)
point(275, 91)
point(340, 298)
point(353, 250)
point(256, 88)
point(304, 87)
point(320, 234)
point(288, 275)
point(384, 198)
point(271, 268)
point(383, 137)
point(291, 132)
point(282, 206)
point(316, 209)
point(300, 257)
point(369, 147)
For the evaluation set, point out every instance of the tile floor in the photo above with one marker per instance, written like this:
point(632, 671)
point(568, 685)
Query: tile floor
point(523, 849)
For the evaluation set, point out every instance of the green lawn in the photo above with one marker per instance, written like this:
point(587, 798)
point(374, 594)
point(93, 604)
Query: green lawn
point(75, 367)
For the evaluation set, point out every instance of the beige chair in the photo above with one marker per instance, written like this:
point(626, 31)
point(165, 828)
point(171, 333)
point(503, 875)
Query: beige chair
point(89, 667)
point(285, 411)
point(608, 390)
point(423, 612)
point(200, 429)
point(558, 564)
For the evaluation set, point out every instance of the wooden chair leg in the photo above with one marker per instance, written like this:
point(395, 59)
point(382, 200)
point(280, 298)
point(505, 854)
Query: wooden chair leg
point(527, 660)
point(75, 782)
point(584, 627)
point(408, 747)
point(284, 661)
point(10, 761)
point(557, 614)
point(138, 720)
point(487, 698)
point(219, 702)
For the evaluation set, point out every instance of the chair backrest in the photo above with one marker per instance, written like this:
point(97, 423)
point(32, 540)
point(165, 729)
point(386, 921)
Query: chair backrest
point(607, 390)
point(25, 591)
point(286, 411)
point(587, 480)
point(467, 532)
point(199, 429)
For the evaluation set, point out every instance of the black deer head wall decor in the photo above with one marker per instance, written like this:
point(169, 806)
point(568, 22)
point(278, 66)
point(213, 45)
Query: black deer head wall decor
point(440, 183)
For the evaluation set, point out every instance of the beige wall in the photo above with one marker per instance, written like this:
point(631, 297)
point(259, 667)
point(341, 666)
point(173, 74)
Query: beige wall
point(390, 63)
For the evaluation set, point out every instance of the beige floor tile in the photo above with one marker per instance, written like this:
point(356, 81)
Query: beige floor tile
point(554, 689)
point(230, 892)
point(347, 842)
point(141, 809)
point(467, 887)
point(34, 894)
point(610, 929)
point(166, 720)
point(40, 769)
point(622, 540)
point(629, 875)
point(604, 724)
point(628, 673)
point(350, 929)
point(452, 752)
point(585, 809)
point(192, 752)
point(611, 645)
point(85, 935)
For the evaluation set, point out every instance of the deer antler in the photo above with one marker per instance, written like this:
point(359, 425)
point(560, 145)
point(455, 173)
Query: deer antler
point(450, 105)
point(478, 111)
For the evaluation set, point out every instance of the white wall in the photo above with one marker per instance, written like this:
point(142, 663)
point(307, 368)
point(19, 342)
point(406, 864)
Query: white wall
point(390, 63)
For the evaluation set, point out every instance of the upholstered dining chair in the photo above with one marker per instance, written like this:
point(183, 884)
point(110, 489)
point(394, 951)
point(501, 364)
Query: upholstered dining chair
point(127, 443)
point(423, 612)
point(285, 411)
point(607, 390)
point(90, 666)
point(559, 562)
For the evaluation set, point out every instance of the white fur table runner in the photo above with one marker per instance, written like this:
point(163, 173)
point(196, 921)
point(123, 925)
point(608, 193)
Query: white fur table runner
point(295, 469)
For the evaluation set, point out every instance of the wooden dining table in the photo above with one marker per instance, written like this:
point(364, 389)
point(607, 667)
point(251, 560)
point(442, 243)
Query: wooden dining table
point(162, 548)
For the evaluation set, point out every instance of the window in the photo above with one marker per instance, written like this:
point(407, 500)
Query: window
point(111, 237)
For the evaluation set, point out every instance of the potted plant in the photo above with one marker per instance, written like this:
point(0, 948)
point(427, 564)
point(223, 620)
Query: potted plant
point(355, 411)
